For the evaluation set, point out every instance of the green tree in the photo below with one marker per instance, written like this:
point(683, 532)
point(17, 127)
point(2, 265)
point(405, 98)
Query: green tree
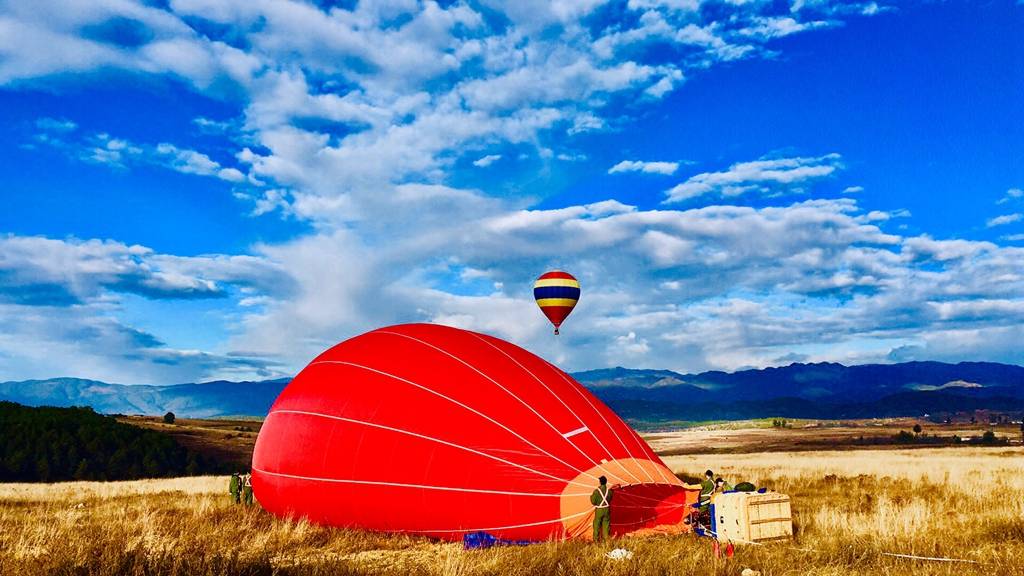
point(82, 470)
point(169, 418)
point(917, 429)
point(54, 444)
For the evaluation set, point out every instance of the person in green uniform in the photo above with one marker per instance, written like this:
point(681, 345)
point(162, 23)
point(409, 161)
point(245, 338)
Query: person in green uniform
point(722, 486)
point(235, 487)
point(247, 489)
point(707, 488)
point(602, 501)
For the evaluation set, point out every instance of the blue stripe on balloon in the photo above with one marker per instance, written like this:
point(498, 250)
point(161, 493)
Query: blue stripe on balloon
point(556, 292)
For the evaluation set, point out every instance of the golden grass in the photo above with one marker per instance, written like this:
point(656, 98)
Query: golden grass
point(848, 507)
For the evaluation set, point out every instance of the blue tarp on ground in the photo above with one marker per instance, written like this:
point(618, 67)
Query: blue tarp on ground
point(475, 540)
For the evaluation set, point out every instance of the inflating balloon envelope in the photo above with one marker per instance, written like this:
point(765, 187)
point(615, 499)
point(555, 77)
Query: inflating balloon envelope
point(433, 430)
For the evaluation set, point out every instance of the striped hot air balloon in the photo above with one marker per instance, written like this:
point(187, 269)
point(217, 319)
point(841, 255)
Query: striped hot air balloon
point(556, 293)
point(432, 430)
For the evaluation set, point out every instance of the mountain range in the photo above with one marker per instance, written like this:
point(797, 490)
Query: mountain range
point(823, 390)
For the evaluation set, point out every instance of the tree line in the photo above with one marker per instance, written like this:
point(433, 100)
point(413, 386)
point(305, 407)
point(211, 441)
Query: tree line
point(52, 444)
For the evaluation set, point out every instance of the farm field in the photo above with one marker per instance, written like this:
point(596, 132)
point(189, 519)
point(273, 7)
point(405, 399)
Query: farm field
point(226, 440)
point(849, 508)
point(746, 436)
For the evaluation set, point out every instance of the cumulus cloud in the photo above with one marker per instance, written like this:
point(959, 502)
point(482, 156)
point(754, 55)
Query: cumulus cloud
point(44, 271)
point(715, 287)
point(666, 168)
point(336, 119)
point(1011, 195)
point(1003, 220)
point(120, 153)
point(61, 125)
point(763, 176)
point(486, 161)
point(62, 299)
point(88, 341)
point(361, 142)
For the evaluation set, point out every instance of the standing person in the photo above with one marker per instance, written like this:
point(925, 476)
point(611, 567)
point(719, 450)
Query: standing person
point(235, 487)
point(707, 487)
point(247, 489)
point(602, 501)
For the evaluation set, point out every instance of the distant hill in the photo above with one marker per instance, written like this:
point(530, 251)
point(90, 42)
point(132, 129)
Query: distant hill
point(209, 399)
point(53, 444)
point(824, 390)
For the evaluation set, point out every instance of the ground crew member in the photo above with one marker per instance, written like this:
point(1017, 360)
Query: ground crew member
point(707, 487)
point(247, 489)
point(602, 501)
point(235, 487)
point(722, 486)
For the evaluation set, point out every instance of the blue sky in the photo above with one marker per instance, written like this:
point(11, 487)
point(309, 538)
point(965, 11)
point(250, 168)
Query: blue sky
point(198, 189)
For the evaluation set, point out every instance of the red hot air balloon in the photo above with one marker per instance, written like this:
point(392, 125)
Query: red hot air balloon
point(431, 430)
point(556, 293)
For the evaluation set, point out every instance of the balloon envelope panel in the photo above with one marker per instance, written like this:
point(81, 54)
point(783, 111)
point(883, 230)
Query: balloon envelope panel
point(433, 430)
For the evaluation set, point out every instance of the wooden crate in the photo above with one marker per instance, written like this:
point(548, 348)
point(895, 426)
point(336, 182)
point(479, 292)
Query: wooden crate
point(751, 517)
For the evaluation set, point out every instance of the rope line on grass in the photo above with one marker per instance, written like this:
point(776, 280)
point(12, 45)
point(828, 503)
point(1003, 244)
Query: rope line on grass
point(892, 554)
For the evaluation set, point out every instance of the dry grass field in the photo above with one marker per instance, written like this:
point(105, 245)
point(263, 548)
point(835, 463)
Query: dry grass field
point(226, 440)
point(760, 436)
point(849, 508)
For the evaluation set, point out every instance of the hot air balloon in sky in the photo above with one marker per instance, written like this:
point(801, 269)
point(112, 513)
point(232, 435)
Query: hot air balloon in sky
point(431, 430)
point(556, 293)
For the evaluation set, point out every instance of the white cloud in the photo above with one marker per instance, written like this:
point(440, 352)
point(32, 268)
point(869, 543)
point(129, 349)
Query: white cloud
point(666, 168)
point(631, 345)
point(1011, 195)
point(120, 153)
point(187, 161)
point(44, 271)
point(231, 175)
point(62, 125)
point(720, 287)
point(448, 83)
point(765, 175)
point(486, 161)
point(571, 157)
point(1003, 220)
point(715, 287)
point(63, 298)
point(853, 190)
point(354, 120)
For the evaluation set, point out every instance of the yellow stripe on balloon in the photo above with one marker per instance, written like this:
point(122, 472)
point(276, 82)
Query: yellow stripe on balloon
point(545, 302)
point(566, 282)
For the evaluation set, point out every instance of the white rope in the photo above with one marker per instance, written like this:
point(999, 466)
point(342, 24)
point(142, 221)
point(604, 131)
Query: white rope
point(421, 486)
point(566, 406)
point(892, 554)
point(593, 407)
point(573, 386)
point(430, 438)
point(495, 382)
point(935, 559)
point(541, 523)
point(456, 402)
